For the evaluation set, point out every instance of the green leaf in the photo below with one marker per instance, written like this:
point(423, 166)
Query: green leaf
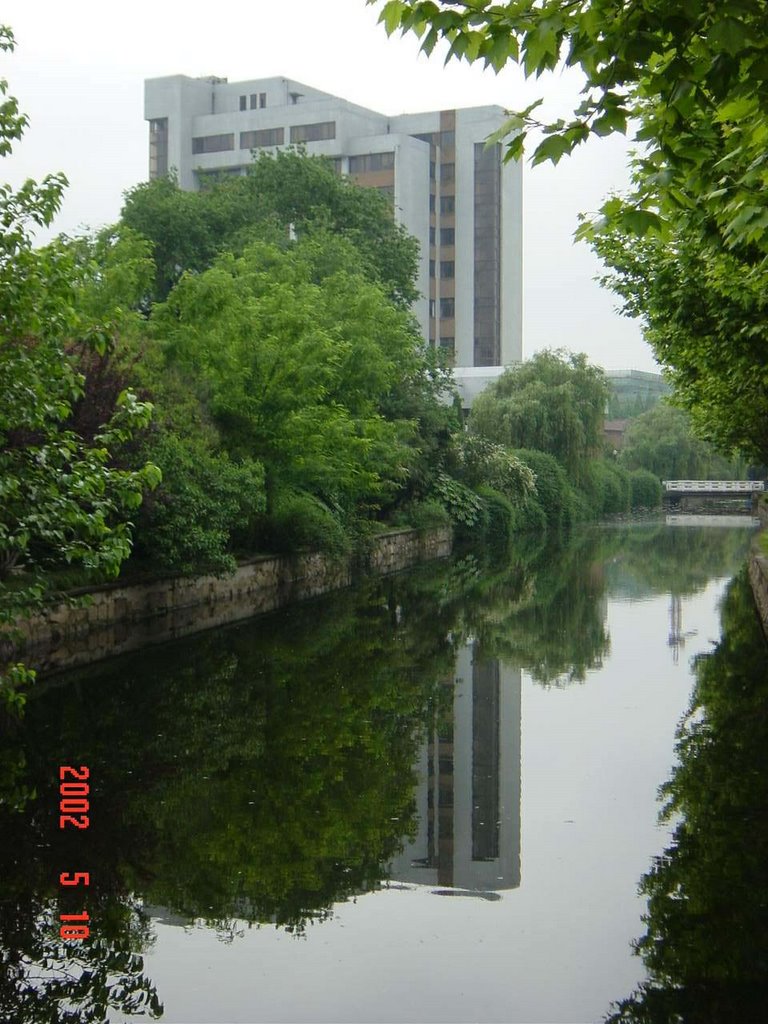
point(640, 222)
point(391, 15)
point(738, 108)
point(729, 34)
point(553, 148)
point(514, 150)
point(512, 124)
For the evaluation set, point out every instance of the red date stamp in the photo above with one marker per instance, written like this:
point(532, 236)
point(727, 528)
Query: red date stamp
point(74, 804)
point(74, 807)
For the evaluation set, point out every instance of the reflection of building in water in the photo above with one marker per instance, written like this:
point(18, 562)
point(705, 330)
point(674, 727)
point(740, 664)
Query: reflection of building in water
point(468, 795)
point(677, 636)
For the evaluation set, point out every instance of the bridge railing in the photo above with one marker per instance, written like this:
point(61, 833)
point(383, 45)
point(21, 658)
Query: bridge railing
point(721, 486)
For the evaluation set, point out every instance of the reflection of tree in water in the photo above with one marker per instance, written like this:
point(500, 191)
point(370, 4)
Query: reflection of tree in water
point(706, 947)
point(44, 980)
point(654, 559)
point(260, 773)
point(541, 610)
point(556, 629)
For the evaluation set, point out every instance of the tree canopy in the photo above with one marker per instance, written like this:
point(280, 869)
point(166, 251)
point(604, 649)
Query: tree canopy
point(284, 193)
point(705, 312)
point(293, 352)
point(554, 402)
point(62, 497)
point(692, 76)
point(662, 441)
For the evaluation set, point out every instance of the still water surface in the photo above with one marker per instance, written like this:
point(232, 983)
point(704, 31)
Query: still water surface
point(431, 799)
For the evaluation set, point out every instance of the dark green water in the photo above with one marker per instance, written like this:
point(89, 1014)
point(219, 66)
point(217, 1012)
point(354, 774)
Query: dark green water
point(280, 811)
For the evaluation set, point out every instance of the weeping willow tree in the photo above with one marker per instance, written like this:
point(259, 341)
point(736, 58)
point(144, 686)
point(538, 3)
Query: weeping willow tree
point(554, 402)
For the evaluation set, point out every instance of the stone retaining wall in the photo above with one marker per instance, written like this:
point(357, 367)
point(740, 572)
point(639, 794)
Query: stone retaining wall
point(120, 618)
point(758, 577)
point(758, 568)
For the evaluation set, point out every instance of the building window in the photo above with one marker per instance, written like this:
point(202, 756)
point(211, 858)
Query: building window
point(208, 179)
point(337, 163)
point(448, 343)
point(432, 236)
point(262, 99)
point(371, 162)
point(213, 143)
point(313, 132)
point(432, 168)
point(263, 137)
point(447, 140)
point(447, 204)
point(447, 308)
point(432, 202)
point(447, 236)
point(158, 148)
point(254, 100)
point(243, 102)
point(448, 172)
point(432, 308)
point(447, 268)
point(487, 256)
point(431, 268)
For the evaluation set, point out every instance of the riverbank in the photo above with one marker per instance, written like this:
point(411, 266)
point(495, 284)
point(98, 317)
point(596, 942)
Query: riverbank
point(758, 569)
point(118, 618)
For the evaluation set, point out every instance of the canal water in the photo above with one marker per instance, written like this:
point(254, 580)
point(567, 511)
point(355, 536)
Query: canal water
point(434, 798)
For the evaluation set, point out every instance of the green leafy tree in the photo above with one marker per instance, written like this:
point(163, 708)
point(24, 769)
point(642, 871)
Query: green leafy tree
point(553, 494)
point(554, 402)
point(705, 314)
point(62, 499)
point(206, 507)
point(693, 77)
point(288, 192)
point(293, 351)
point(662, 442)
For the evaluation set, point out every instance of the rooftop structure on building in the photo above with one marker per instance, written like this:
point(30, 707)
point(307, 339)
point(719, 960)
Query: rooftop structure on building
point(450, 190)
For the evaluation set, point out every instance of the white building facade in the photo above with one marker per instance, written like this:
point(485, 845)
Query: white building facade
point(450, 191)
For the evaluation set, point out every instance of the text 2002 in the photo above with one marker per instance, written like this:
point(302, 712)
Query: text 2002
point(74, 804)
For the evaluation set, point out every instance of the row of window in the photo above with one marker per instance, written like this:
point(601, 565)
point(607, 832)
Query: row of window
point(213, 143)
point(447, 236)
point(264, 137)
point(258, 99)
point(447, 268)
point(447, 308)
point(447, 204)
point(371, 162)
point(447, 171)
point(313, 132)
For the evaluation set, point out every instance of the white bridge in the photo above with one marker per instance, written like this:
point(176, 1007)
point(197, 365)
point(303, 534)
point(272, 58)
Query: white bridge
point(713, 486)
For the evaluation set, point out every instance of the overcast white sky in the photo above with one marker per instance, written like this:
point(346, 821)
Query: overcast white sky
point(79, 70)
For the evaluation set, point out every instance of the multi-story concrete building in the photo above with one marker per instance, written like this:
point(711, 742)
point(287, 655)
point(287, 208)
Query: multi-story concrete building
point(454, 194)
